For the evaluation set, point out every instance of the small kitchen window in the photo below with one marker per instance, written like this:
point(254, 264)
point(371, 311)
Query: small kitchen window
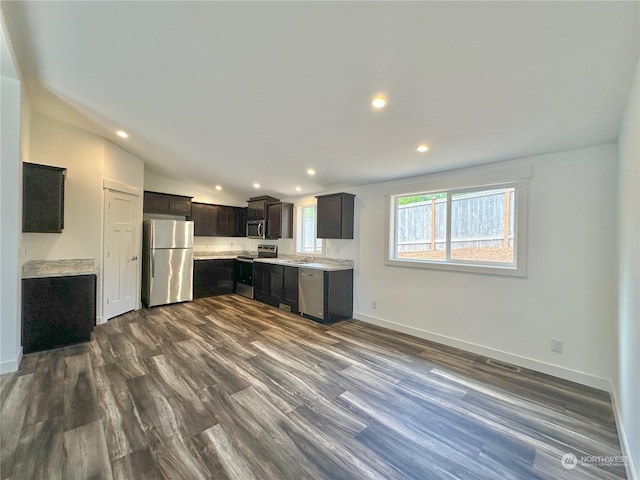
point(477, 228)
point(306, 240)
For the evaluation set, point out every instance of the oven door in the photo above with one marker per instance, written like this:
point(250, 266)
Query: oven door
point(243, 277)
point(256, 229)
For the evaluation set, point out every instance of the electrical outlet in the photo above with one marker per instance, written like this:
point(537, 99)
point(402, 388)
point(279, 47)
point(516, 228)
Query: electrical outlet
point(556, 345)
point(374, 304)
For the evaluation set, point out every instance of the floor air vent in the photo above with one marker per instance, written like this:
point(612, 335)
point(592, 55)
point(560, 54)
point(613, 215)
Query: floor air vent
point(504, 366)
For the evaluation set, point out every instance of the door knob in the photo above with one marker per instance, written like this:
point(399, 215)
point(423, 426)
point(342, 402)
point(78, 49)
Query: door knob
point(134, 258)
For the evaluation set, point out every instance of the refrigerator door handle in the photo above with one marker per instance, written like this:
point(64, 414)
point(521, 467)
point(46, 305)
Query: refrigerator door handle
point(153, 263)
point(153, 235)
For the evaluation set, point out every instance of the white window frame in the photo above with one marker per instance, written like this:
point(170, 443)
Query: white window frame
point(319, 244)
point(475, 180)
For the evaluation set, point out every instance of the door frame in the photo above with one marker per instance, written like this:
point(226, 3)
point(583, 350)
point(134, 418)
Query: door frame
point(111, 185)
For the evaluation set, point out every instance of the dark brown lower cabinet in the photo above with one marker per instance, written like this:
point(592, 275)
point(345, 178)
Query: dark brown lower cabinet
point(57, 311)
point(212, 277)
point(276, 285)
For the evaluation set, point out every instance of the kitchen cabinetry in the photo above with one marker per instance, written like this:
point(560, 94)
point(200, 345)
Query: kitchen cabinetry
point(167, 204)
point(290, 294)
point(280, 220)
point(276, 285)
point(225, 221)
point(205, 219)
point(257, 207)
point(326, 296)
point(57, 311)
point(239, 222)
point(335, 215)
point(261, 289)
point(212, 277)
point(42, 198)
point(217, 220)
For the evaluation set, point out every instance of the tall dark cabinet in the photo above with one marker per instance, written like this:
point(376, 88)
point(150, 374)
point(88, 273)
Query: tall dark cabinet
point(57, 311)
point(42, 198)
point(335, 215)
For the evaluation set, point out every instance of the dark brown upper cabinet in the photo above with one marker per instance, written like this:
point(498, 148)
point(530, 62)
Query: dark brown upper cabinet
point(335, 215)
point(42, 198)
point(167, 204)
point(205, 219)
point(280, 220)
point(258, 207)
point(239, 221)
point(217, 220)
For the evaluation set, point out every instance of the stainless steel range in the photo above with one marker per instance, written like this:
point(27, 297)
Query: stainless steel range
point(244, 268)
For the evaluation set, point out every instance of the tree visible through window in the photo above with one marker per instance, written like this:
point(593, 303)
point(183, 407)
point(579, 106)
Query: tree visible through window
point(307, 241)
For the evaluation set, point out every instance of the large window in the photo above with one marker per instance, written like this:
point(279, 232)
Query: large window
point(477, 229)
point(306, 231)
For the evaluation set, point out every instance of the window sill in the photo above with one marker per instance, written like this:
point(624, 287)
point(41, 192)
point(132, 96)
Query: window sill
point(510, 271)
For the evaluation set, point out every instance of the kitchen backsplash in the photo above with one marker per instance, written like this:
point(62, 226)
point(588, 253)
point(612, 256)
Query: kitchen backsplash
point(224, 244)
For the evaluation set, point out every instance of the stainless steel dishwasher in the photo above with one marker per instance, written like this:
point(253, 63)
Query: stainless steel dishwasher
point(311, 292)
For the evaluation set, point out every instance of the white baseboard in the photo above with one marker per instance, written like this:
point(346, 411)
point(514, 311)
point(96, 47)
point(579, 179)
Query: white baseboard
point(542, 367)
point(11, 365)
point(632, 472)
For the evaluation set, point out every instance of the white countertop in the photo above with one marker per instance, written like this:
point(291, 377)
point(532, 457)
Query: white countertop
point(213, 256)
point(329, 267)
point(225, 255)
point(59, 268)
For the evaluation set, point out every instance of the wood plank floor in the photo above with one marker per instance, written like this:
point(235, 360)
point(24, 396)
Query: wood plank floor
point(228, 388)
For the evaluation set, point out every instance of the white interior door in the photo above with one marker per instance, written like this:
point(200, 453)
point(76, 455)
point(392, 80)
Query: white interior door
point(120, 254)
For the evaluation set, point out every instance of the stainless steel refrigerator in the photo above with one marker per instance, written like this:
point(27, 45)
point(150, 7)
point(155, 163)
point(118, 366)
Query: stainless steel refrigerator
point(167, 262)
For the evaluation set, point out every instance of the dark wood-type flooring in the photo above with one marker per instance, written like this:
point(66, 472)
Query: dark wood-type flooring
point(226, 387)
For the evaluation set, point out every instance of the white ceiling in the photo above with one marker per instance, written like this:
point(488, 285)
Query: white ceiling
point(232, 93)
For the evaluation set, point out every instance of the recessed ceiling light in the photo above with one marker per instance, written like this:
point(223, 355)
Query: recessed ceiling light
point(256, 185)
point(378, 101)
point(298, 189)
point(423, 147)
point(311, 171)
point(122, 134)
point(218, 187)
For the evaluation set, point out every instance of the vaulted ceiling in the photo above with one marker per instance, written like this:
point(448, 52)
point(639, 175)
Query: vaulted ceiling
point(233, 93)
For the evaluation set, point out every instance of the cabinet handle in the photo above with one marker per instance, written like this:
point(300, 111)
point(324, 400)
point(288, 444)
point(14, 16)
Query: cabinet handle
point(134, 258)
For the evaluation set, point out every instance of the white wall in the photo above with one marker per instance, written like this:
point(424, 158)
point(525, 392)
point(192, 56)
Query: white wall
point(157, 183)
point(89, 160)
point(54, 143)
point(122, 167)
point(628, 379)
point(10, 219)
point(569, 291)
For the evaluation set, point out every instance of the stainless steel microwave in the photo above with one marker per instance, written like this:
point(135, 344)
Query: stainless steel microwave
point(257, 229)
